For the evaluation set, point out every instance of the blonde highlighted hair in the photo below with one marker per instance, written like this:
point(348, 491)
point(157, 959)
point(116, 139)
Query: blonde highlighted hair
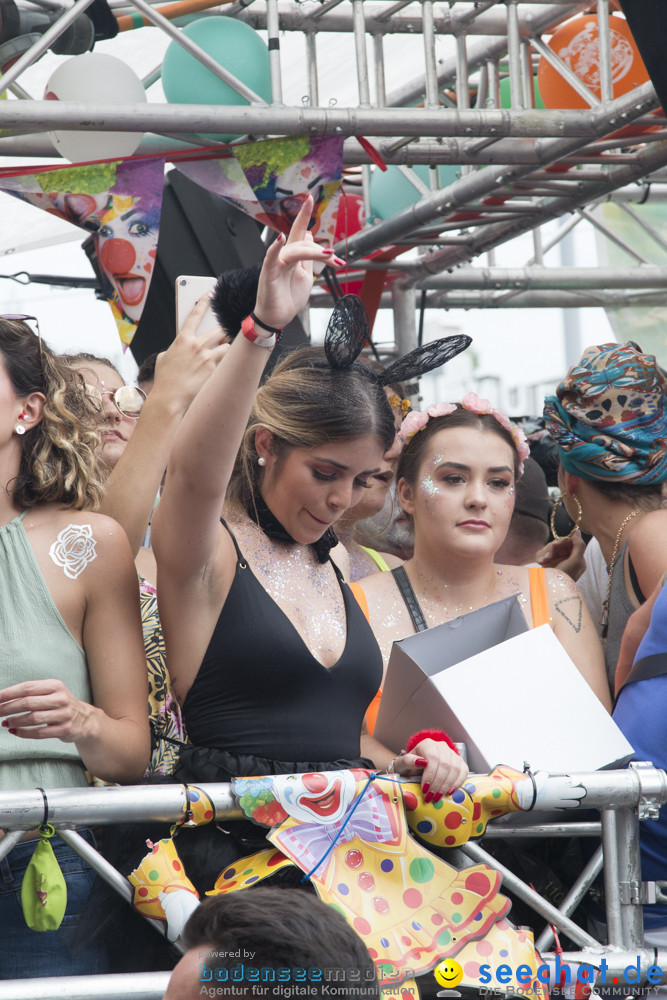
point(58, 455)
point(306, 404)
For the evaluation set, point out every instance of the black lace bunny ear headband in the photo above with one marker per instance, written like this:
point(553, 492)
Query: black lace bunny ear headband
point(349, 330)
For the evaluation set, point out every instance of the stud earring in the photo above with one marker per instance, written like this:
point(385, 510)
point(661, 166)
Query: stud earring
point(261, 461)
point(20, 429)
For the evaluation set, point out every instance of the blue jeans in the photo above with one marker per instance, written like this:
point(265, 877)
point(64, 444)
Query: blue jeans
point(25, 953)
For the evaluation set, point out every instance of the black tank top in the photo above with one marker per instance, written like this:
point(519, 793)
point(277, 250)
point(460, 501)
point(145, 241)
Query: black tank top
point(260, 690)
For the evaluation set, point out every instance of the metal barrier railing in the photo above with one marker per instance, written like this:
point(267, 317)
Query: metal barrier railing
point(621, 797)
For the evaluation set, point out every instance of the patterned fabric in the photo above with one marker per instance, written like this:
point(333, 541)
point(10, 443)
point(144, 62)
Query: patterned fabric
point(609, 416)
point(165, 712)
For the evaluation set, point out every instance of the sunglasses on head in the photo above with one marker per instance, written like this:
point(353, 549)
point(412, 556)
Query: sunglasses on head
point(128, 399)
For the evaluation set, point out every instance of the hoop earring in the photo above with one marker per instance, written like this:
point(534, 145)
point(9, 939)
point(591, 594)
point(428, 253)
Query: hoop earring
point(552, 518)
point(384, 527)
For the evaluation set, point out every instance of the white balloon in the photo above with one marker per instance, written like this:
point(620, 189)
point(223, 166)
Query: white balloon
point(95, 77)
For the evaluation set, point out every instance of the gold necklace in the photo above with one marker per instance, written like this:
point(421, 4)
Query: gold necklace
point(604, 621)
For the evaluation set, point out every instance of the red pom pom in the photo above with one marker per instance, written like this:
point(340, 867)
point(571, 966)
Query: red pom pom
point(429, 734)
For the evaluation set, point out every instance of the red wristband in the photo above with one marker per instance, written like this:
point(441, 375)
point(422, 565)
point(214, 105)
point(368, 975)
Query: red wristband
point(429, 734)
point(250, 333)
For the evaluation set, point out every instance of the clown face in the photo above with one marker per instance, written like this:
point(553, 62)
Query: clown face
point(315, 798)
point(127, 248)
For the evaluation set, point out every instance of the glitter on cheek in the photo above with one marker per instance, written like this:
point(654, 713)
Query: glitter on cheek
point(428, 487)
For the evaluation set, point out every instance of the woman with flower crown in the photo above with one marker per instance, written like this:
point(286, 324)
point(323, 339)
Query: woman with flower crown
point(456, 479)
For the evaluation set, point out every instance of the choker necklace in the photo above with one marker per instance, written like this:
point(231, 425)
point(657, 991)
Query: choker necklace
point(260, 514)
point(604, 621)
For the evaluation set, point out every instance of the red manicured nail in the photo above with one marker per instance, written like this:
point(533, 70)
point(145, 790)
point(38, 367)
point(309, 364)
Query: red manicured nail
point(451, 791)
point(429, 797)
point(436, 798)
point(327, 253)
point(421, 762)
point(5, 723)
point(425, 787)
point(13, 732)
point(337, 260)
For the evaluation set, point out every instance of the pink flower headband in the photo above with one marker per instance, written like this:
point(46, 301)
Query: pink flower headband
point(416, 420)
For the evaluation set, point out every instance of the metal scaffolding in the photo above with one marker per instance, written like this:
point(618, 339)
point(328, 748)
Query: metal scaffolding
point(621, 797)
point(520, 166)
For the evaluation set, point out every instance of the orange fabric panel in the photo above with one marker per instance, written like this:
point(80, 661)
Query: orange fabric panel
point(539, 601)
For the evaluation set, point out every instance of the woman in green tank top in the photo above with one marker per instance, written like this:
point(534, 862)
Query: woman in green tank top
point(72, 669)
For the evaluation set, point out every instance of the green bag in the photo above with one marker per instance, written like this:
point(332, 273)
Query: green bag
point(43, 890)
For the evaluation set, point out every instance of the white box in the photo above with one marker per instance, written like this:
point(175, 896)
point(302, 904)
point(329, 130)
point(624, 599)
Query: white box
point(510, 693)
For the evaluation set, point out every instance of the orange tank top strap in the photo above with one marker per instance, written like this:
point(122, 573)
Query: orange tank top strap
point(539, 602)
point(372, 710)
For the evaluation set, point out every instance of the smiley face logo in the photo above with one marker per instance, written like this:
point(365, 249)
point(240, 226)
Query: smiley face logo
point(448, 973)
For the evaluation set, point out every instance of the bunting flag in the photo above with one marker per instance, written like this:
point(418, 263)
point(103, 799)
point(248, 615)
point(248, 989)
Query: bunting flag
point(270, 179)
point(118, 202)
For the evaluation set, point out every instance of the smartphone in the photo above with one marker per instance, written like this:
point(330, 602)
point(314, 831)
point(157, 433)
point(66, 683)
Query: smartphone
point(190, 288)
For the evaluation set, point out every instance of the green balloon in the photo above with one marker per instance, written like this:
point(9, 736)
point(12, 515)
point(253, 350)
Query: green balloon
point(505, 96)
point(391, 191)
point(236, 47)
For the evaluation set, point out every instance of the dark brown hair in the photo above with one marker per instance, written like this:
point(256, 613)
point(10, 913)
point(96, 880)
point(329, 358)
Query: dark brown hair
point(413, 453)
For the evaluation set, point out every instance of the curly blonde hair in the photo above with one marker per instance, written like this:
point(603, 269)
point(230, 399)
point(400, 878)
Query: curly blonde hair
point(58, 455)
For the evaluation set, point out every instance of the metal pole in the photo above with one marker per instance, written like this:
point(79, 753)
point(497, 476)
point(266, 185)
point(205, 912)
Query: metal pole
point(514, 54)
point(42, 44)
point(574, 896)
point(311, 58)
point(629, 884)
point(528, 895)
point(537, 277)
point(128, 986)
point(430, 68)
point(360, 50)
point(604, 49)
point(273, 31)
point(404, 301)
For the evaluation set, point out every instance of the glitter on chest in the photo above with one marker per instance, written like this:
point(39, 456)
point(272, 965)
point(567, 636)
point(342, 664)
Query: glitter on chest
point(306, 591)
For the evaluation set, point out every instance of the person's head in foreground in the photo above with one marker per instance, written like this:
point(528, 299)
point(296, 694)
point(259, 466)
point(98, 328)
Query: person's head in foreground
point(245, 939)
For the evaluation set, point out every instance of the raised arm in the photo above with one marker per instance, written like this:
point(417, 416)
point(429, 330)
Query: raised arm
point(186, 521)
point(180, 373)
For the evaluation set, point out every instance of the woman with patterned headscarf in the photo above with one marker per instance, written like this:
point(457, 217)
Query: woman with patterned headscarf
point(609, 420)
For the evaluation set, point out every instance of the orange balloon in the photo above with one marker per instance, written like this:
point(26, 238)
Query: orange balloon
point(576, 43)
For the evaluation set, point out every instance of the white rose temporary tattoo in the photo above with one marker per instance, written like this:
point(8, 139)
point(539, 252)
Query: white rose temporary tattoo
point(74, 549)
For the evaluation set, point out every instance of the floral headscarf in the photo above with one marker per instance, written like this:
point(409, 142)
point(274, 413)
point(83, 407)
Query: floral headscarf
point(609, 416)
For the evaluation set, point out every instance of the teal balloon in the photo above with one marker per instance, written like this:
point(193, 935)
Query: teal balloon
point(391, 191)
point(236, 47)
